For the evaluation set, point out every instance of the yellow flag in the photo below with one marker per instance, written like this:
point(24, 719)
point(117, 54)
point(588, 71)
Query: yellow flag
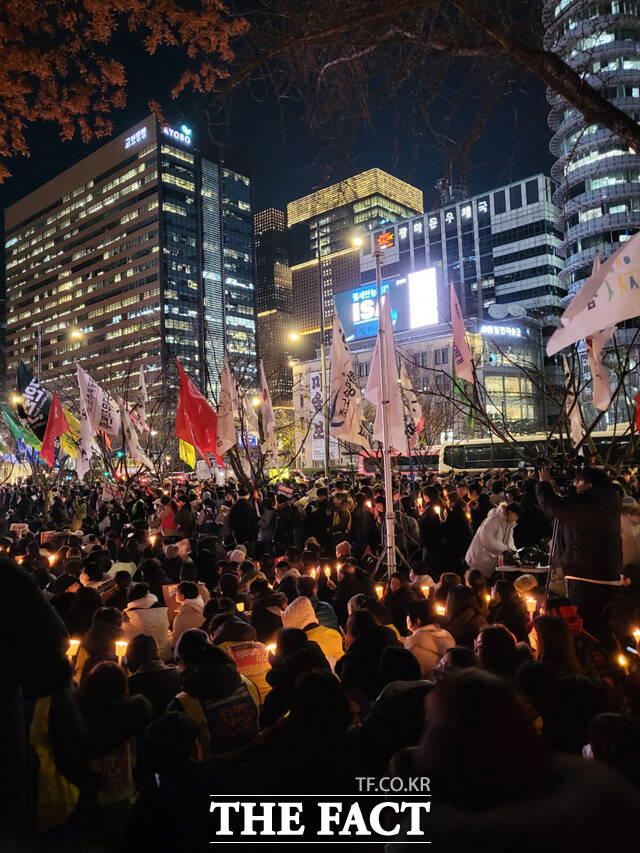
point(188, 453)
point(69, 440)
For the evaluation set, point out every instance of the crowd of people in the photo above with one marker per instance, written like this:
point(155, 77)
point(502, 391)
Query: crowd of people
point(183, 640)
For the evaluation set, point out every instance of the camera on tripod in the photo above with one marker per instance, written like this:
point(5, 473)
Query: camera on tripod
point(563, 469)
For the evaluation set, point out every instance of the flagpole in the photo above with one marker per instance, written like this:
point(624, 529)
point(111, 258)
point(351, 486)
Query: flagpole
point(390, 534)
point(323, 365)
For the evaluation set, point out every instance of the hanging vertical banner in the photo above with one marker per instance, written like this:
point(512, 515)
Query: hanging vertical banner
point(85, 433)
point(345, 416)
point(36, 400)
point(385, 349)
point(268, 418)
point(317, 422)
point(413, 415)
point(572, 407)
point(131, 438)
point(227, 411)
point(142, 399)
point(101, 412)
point(461, 351)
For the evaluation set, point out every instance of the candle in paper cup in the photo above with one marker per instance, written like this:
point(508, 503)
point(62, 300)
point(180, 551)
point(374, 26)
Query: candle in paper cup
point(19, 559)
point(313, 573)
point(368, 503)
point(52, 559)
point(487, 597)
point(438, 510)
point(636, 637)
point(121, 649)
point(530, 604)
point(240, 606)
point(72, 651)
point(441, 609)
point(271, 647)
point(153, 539)
point(623, 663)
point(327, 571)
point(379, 591)
point(424, 589)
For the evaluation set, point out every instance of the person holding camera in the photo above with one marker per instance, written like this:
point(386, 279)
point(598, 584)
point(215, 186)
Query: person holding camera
point(586, 544)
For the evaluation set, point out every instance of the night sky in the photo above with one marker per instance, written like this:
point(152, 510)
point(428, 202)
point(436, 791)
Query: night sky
point(287, 160)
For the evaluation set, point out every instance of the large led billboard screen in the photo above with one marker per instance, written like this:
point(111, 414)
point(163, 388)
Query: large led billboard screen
point(414, 304)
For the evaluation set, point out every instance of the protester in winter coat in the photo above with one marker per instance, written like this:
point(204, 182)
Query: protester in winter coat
point(150, 677)
point(190, 613)
point(480, 505)
point(352, 580)
point(295, 655)
point(397, 598)
point(238, 639)
point(457, 533)
point(464, 618)
point(266, 610)
point(523, 797)
point(300, 614)
point(587, 543)
point(493, 538)
point(325, 614)
point(533, 525)
point(243, 518)
point(428, 640)
point(506, 608)
point(286, 577)
point(215, 695)
point(143, 615)
point(359, 667)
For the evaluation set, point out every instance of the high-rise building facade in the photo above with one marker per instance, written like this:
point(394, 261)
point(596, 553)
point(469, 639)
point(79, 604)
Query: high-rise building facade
point(597, 177)
point(322, 226)
point(140, 253)
point(274, 302)
point(499, 248)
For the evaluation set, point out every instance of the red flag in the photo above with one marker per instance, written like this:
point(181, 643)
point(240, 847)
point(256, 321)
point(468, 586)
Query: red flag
point(196, 420)
point(56, 424)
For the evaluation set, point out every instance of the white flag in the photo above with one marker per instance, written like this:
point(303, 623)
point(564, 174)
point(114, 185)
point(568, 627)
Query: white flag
point(83, 450)
point(101, 412)
point(141, 400)
point(461, 351)
point(227, 435)
point(612, 295)
point(131, 438)
point(385, 349)
point(249, 417)
point(412, 408)
point(599, 373)
point(268, 420)
point(345, 414)
point(572, 407)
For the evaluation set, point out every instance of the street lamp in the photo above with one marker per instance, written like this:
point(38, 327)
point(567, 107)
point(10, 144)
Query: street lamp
point(294, 336)
point(255, 402)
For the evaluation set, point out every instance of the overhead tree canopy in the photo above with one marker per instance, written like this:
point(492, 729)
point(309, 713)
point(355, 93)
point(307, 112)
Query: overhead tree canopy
point(56, 62)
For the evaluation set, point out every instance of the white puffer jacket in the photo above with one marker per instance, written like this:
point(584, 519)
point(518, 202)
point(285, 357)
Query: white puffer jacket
point(144, 618)
point(494, 536)
point(427, 645)
point(189, 616)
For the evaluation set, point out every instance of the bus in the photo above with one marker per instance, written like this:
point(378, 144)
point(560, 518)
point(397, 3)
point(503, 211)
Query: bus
point(369, 462)
point(480, 454)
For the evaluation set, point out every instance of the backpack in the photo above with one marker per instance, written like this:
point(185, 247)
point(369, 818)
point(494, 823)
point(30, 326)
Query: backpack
point(57, 797)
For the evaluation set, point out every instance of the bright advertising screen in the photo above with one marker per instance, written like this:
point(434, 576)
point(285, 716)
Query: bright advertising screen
point(414, 304)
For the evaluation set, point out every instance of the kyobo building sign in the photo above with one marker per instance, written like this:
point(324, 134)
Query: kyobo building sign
point(183, 135)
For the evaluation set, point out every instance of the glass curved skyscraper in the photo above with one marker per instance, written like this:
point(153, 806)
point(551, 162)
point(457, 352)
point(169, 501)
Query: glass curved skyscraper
point(597, 176)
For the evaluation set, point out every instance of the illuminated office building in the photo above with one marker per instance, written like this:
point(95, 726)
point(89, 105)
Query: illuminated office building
point(140, 253)
point(274, 302)
point(322, 226)
point(597, 176)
